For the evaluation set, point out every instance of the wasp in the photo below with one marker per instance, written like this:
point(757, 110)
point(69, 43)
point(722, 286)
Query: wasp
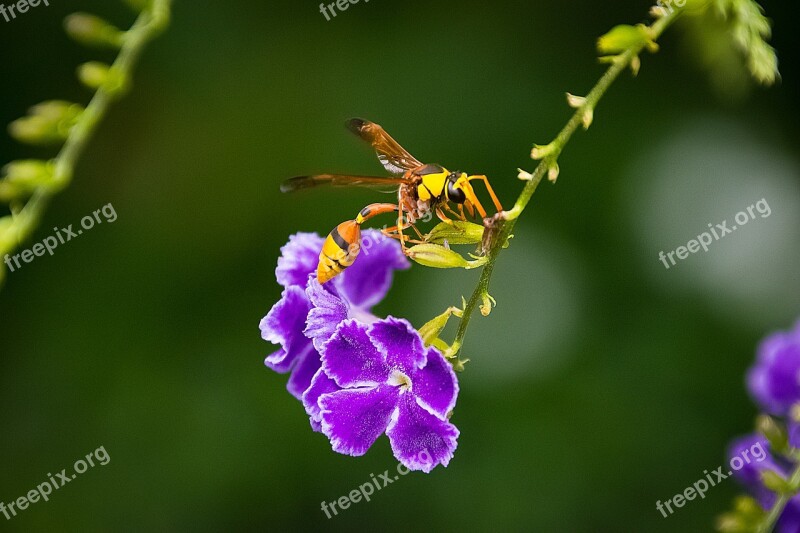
point(421, 189)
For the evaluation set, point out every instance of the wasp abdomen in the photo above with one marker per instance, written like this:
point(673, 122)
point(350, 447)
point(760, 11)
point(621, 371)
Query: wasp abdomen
point(339, 250)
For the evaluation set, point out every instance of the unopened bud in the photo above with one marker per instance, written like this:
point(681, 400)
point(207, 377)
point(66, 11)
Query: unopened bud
point(552, 172)
point(456, 232)
point(575, 101)
point(434, 327)
point(92, 30)
point(541, 151)
point(775, 482)
point(433, 255)
point(47, 123)
point(95, 75)
point(774, 432)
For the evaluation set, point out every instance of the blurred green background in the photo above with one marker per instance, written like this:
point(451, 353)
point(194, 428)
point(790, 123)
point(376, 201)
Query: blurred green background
point(601, 383)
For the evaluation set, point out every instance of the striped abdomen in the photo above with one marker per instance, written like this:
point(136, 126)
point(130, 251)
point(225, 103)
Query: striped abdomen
point(339, 251)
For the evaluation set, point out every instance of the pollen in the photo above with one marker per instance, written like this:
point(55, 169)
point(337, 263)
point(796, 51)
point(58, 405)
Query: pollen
point(398, 379)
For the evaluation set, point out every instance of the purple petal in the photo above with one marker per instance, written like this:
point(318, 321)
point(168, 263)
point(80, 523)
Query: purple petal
point(774, 381)
point(367, 281)
point(435, 385)
point(789, 521)
point(303, 372)
point(419, 439)
point(299, 258)
point(327, 312)
point(320, 384)
point(284, 325)
point(751, 455)
point(353, 419)
point(351, 359)
point(400, 342)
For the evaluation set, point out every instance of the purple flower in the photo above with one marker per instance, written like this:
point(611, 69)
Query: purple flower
point(380, 378)
point(357, 290)
point(774, 381)
point(753, 454)
point(749, 474)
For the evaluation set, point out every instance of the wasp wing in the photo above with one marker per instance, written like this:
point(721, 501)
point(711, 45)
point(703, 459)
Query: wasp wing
point(339, 180)
point(393, 157)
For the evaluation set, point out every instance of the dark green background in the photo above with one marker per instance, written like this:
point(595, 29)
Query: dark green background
point(601, 383)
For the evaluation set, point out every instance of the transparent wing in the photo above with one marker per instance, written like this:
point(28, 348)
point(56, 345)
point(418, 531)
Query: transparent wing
point(340, 180)
point(393, 157)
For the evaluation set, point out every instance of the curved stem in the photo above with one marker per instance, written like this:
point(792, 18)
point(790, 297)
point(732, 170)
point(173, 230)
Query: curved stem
point(503, 223)
point(146, 27)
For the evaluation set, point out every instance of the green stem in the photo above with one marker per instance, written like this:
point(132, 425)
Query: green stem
point(504, 222)
point(146, 27)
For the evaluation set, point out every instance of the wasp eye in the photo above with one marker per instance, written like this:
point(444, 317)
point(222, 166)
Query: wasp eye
point(455, 194)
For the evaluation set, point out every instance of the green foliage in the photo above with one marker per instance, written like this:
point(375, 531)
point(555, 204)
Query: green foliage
point(28, 185)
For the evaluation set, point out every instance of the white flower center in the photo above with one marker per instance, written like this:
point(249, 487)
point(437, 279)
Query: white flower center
point(398, 379)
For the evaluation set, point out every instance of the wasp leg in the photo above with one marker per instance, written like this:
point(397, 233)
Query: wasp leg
point(394, 233)
point(485, 180)
point(442, 216)
point(453, 212)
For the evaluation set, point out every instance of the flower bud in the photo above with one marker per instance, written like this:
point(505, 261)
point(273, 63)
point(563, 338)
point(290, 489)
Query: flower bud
point(34, 130)
point(28, 172)
point(625, 37)
point(8, 236)
point(775, 482)
point(587, 118)
point(524, 175)
point(575, 101)
point(552, 172)
point(91, 30)
point(456, 232)
point(434, 327)
point(774, 432)
point(47, 123)
point(433, 255)
point(94, 74)
point(541, 151)
point(487, 302)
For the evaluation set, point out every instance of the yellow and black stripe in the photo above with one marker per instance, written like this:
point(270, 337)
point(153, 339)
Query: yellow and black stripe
point(339, 250)
point(343, 244)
